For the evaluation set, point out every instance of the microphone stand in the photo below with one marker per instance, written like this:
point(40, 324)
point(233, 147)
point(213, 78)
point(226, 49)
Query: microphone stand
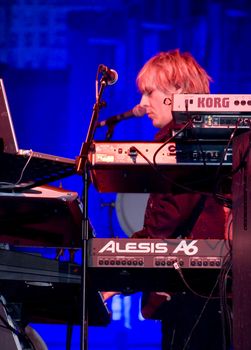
point(83, 169)
point(110, 131)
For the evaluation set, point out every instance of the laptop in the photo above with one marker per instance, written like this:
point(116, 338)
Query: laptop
point(23, 169)
point(7, 132)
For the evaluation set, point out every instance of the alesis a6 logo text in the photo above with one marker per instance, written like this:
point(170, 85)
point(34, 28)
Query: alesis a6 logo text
point(183, 247)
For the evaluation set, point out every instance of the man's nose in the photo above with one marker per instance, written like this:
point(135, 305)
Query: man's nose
point(144, 101)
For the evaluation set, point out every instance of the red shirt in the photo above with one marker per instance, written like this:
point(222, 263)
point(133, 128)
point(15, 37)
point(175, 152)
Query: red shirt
point(188, 215)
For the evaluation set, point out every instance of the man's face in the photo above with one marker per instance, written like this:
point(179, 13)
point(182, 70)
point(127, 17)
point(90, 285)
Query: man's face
point(158, 107)
point(157, 102)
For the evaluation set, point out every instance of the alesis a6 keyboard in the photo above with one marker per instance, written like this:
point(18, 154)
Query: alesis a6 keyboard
point(151, 264)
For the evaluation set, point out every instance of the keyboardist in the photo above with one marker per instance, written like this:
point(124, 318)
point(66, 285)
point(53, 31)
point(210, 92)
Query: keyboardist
point(188, 321)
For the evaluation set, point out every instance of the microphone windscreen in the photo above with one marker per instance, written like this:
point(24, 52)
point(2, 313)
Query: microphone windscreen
point(113, 77)
point(139, 111)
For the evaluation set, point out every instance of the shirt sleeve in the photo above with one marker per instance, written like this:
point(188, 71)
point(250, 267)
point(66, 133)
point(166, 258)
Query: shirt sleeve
point(166, 215)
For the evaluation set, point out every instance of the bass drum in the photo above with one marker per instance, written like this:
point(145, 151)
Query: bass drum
point(130, 210)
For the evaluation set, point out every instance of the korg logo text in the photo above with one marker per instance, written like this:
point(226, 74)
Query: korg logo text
point(216, 102)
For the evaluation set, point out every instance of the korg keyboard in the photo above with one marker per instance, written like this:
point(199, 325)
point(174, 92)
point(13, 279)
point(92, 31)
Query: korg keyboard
point(222, 110)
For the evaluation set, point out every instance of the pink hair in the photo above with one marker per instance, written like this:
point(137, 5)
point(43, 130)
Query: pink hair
point(173, 70)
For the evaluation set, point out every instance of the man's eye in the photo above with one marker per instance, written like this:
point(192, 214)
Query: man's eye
point(148, 93)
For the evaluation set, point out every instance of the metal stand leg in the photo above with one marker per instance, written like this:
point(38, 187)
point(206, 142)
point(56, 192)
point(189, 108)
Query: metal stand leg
point(8, 339)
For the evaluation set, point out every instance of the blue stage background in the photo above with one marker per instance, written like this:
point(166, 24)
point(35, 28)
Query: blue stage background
point(49, 54)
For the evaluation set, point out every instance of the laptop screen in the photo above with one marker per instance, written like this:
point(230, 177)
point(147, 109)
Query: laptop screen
point(7, 132)
point(25, 168)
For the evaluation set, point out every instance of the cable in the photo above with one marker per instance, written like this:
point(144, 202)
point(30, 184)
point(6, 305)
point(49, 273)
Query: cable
point(179, 270)
point(196, 323)
point(219, 196)
point(242, 160)
point(165, 177)
point(188, 123)
point(19, 333)
point(218, 179)
point(225, 309)
point(24, 168)
point(187, 188)
point(208, 298)
point(11, 186)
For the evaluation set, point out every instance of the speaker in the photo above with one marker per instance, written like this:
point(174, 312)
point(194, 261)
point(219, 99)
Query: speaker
point(241, 258)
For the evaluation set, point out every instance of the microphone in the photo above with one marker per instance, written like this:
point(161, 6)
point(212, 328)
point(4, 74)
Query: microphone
point(137, 111)
point(110, 76)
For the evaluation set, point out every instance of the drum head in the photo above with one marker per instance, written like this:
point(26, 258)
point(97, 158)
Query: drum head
point(130, 210)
